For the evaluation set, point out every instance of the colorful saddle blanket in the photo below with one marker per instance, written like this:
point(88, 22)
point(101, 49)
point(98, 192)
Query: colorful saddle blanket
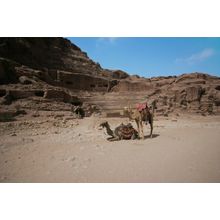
point(141, 106)
point(126, 131)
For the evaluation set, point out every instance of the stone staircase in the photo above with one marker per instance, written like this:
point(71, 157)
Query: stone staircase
point(112, 104)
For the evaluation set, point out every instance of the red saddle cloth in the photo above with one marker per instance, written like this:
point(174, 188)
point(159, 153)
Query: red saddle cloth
point(141, 106)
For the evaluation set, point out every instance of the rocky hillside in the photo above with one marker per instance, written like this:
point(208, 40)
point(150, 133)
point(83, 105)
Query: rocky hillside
point(52, 74)
point(56, 61)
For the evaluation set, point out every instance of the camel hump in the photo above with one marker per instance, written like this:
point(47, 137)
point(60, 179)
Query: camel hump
point(126, 131)
point(141, 106)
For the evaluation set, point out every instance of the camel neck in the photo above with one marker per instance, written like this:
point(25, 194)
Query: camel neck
point(108, 129)
point(129, 112)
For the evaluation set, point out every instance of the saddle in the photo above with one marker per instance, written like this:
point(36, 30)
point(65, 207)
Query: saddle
point(127, 131)
point(141, 106)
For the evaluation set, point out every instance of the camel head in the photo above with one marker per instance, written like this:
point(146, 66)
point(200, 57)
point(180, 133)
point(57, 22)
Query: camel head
point(153, 105)
point(107, 127)
point(127, 109)
point(104, 124)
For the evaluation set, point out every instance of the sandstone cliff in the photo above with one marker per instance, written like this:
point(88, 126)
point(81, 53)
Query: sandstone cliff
point(54, 60)
point(52, 73)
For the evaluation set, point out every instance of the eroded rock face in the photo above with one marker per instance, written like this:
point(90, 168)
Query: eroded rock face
point(26, 80)
point(56, 61)
point(28, 51)
point(62, 96)
point(136, 86)
point(7, 71)
point(52, 74)
point(193, 93)
point(189, 93)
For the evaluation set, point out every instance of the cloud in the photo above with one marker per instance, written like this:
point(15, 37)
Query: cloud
point(108, 40)
point(112, 39)
point(197, 57)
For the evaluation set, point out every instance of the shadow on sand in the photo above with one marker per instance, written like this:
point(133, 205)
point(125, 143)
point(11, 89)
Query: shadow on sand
point(153, 136)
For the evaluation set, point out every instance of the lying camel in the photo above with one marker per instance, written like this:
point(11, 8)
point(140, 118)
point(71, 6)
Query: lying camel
point(121, 132)
point(140, 116)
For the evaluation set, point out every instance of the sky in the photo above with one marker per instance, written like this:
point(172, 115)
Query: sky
point(151, 57)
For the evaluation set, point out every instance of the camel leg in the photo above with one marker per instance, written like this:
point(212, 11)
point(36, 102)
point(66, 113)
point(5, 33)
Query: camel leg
point(113, 139)
point(151, 125)
point(138, 127)
point(134, 136)
point(141, 129)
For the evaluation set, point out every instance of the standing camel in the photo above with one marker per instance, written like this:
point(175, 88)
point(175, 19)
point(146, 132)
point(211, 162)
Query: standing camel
point(140, 116)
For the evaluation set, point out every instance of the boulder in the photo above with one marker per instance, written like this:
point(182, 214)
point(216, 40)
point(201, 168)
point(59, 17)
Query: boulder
point(119, 74)
point(7, 115)
point(10, 114)
point(60, 95)
point(26, 80)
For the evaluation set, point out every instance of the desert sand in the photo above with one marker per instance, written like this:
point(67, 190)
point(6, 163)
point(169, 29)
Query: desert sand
point(59, 149)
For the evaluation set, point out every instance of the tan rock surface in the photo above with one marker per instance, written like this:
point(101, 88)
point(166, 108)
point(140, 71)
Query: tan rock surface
point(55, 64)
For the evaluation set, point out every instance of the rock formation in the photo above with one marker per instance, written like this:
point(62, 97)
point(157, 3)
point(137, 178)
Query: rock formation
point(52, 74)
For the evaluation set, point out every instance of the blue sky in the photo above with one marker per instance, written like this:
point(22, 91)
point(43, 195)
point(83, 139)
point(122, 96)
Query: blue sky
point(150, 57)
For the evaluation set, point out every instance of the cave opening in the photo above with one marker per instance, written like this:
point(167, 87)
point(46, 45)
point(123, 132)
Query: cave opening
point(217, 87)
point(69, 83)
point(76, 103)
point(39, 93)
point(2, 92)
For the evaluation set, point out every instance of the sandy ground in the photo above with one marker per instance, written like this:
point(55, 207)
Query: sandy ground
point(183, 149)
